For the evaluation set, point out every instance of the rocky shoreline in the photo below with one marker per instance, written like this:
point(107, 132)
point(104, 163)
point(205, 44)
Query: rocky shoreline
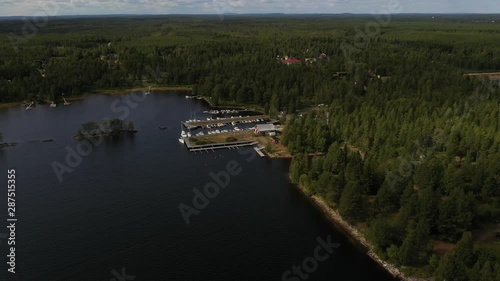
point(354, 234)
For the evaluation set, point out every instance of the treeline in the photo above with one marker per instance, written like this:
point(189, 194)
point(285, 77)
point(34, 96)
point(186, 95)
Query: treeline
point(236, 59)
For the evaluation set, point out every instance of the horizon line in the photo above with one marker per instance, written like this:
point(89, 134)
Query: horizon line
point(243, 14)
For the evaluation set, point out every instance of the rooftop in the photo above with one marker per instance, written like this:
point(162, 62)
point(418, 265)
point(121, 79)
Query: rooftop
point(290, 60)
point(265, 127)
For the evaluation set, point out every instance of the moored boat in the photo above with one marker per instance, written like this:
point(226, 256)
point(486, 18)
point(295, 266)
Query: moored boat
point(66, 102)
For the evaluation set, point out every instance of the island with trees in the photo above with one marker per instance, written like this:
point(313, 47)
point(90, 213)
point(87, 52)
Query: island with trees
point(106, 128)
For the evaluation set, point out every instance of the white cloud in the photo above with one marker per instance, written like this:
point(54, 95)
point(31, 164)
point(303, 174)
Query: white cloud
point(65, 7)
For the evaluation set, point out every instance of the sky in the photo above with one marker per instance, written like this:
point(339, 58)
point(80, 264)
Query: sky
point(40, 8)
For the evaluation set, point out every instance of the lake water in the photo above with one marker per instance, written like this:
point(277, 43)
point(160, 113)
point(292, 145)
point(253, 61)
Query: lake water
point(117, 211)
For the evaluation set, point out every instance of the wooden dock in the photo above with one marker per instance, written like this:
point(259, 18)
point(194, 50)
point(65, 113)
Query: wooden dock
point(214, 146)
point(223, 120)
point(258, 150)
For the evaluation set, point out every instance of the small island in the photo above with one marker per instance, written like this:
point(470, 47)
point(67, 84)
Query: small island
point(106, 128)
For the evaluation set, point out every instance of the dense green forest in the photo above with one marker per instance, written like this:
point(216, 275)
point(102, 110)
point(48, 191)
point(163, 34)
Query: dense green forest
point(406, 147)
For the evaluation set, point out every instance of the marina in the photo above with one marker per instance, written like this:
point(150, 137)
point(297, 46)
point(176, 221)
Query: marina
point(232, 120)
point(221, 133)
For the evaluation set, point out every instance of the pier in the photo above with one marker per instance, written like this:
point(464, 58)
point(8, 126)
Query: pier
point(214, 146)
point(258, 150)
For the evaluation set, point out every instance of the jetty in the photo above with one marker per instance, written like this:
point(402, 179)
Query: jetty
point(258, 150)
point(213, 146)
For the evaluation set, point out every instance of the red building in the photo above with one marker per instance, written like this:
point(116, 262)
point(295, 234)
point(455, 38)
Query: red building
point(289, 61)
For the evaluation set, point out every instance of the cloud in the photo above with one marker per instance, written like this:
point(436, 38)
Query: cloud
point(66, 7)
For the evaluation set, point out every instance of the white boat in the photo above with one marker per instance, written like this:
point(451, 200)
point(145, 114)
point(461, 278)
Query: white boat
point(189, 134)
point(217, 131)
point(183, 134)
point(30, 106)
point(149, 91)
point(181, 140)
point(66, 102)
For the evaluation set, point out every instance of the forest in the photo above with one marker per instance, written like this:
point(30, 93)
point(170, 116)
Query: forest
point(383, 122)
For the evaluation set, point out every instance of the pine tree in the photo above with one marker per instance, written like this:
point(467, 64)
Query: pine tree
point(380, 232)
point(464, 249)
point(451, 268)
point(351, 201)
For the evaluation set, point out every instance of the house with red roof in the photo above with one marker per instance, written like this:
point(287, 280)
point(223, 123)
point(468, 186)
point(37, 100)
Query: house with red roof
point(289, 61)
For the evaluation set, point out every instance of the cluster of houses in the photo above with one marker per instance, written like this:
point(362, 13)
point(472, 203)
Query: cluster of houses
point(291, 60)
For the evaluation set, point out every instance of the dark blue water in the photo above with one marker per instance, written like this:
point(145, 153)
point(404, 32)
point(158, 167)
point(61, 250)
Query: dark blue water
point(118, 209)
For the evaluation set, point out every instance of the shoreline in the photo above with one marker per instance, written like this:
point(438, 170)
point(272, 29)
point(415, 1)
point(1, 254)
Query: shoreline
point(352, 234)
point(112, 91)
point(119, 91)
point(122, 91)
point(236, 106)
